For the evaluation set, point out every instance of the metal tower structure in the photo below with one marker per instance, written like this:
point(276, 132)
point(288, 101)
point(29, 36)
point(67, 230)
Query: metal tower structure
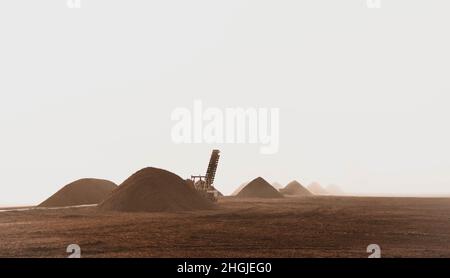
point(212, 167)
point(204, 184)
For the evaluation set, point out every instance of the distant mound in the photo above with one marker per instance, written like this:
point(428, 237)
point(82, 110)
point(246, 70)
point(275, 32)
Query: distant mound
point(277, 186)
point(296, 189)
point(236, 192)
point(81, 192)
point(316, 189)
point(259, 188)
point(335, 190)
point(155, 190)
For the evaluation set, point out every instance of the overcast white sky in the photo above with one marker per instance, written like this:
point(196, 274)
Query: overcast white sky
point(363, 93)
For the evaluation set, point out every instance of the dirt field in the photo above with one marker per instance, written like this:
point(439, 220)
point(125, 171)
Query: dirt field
point(289, 227)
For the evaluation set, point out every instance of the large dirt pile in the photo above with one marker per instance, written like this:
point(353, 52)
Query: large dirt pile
point(155, 190)
point(259, 188)
point(81, 192)
point(296, 189)
point(316, 189)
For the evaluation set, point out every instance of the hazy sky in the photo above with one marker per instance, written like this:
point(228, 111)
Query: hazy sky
point(363, 93)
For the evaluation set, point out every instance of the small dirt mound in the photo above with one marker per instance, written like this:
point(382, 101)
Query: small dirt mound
point(259, 188)
point(277, 186)
point(81, 192)
point(236, 192)
point(294, 188)
point(316, 189)
point(155, 190)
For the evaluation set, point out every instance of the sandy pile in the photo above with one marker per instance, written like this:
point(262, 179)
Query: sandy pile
point(259, 188)
point(277, 186)
point(316, 189)
point(296, 189)
point(155, 190)
point(236, 192)
point(81, 192)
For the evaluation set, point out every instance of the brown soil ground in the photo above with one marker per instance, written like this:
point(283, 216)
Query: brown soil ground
point(288, 227)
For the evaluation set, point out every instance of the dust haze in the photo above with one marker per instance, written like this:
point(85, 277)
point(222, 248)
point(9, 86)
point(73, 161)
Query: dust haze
point(358, 151)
